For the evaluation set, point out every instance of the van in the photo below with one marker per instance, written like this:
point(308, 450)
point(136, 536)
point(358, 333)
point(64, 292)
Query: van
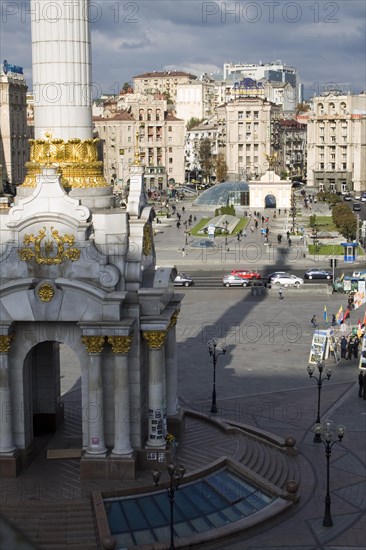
point(356, 207)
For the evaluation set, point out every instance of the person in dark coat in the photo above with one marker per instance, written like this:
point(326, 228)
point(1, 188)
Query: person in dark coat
point(350, 348)
point(343, 347)
point(356, 343)
point(360, 384)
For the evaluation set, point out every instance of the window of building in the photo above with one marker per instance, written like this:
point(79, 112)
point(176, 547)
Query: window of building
point(247, 146)
point(240, 115)
point(256, 115)
point(170, 128)
point(248, 114)
point(170, 149)
point(240, 159)
point(170, 170)
point(170, 140)
point(344, 166)
point(170, 160)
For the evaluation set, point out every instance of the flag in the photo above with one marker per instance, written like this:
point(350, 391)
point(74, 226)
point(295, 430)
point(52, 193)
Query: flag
point(339, 316)
point(325, 316)
point(364, 319)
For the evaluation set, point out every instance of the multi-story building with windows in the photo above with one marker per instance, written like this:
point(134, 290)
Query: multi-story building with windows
point(336, 142)
point(289, 142)
point(14, 149)
point(164, 82)
point(196, 99)
point(246, 126)
point(138, 120)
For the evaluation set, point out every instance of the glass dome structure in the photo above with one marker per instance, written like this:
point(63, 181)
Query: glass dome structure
point(225, 194)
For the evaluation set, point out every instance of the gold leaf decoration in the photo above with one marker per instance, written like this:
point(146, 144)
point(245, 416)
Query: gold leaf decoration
point(120, 344)
point(49, 252)
point(93, 344)
point(46, 292)
point(155, 338)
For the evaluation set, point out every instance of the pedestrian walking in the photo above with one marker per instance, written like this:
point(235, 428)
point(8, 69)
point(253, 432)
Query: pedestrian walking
point(288, 234)
point(343, 347)
point(334, 321)
point(314, 321)
point(252, 229)
point(244, 233)
point(280, 293)
point(289, 241)
point(360, 384)
point(178, 224)
point(184, 252)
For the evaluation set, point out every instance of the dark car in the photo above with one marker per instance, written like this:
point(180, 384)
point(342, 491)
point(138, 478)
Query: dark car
point(356, 207)
point(317, 273)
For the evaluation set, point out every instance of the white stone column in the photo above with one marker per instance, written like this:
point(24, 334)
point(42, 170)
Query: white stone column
point(120, 347)
point(156, 398)
point(61, 62)
point(6, 428)
point(95, 409)
point(171, 367)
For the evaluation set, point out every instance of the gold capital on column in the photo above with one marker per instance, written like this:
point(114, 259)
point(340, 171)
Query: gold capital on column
point(93, 344)
point(5, 342)
point(174, 318)
point(120, 344)
point(155, 338)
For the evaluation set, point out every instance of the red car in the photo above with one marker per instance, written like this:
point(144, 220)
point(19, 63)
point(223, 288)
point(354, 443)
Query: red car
point(246, 274)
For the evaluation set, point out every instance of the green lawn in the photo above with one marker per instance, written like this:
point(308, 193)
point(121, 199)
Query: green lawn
point(240, 226)
point(330, 249)
point(325, 222)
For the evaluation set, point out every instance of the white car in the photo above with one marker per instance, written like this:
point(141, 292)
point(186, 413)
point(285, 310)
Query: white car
point(361, 274)
point(358, 196)
point(287, 280)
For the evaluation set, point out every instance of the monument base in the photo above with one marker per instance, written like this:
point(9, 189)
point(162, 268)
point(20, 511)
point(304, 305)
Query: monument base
point(152, 458)
point(10, 466)
point(109, 467)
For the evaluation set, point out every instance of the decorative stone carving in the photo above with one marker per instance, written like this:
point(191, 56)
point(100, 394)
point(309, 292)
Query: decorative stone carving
point(43, 254)
point(109, 277)
point(45, 292)
point(174, 318)
point(5, 342)
point(120, 344)
point(147, 244)
point(93, 344)
point(155, 338)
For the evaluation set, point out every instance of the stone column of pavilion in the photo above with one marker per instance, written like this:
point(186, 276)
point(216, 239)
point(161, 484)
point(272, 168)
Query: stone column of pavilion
point(61, 61)
point(122, 444)
point(171, 367)
point(95, 410)
point(156, 388)
point(7, 446)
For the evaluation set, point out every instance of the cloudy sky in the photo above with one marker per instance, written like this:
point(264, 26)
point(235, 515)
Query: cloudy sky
point(326, 41)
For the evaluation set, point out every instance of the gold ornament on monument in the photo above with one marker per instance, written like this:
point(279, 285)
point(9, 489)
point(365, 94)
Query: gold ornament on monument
point(174, 318)
point(76, 161)
point(46, 292)
point(147, 243)
point(120, 344)
point(93, 344)
point(155, 338)
point(49, 252)
point(5, 342)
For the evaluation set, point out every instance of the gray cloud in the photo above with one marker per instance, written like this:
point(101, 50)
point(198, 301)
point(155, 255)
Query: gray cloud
point(325, 40)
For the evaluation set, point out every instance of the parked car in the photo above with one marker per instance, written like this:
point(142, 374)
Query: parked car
point(360, 274)
point(347, 197)
point(363, 197)
point(234, 280)
point(287, 280)
point(317, 273)
point(246, 274)
point(358, 196)
point(356, 207)
point(182, 279)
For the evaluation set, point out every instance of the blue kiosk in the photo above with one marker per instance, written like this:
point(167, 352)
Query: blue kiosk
point(350, 251)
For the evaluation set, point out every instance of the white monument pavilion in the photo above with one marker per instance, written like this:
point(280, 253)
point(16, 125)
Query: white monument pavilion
point(78, 271)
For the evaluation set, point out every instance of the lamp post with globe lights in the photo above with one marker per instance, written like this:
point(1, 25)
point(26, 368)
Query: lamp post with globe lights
point(319, 379)
point(326, 436)
point(176, 474)
point(215, 353)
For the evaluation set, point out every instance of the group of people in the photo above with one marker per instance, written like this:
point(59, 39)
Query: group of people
point(349, 346)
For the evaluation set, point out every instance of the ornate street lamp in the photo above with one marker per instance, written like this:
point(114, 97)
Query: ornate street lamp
point(226, 223)
point(326, 437)
point(212, 345)
point(320, 379)
point(176, 474)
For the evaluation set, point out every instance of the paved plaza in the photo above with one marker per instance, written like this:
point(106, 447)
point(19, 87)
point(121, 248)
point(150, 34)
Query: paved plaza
point(261, 381)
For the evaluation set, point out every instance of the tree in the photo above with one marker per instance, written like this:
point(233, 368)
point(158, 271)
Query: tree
point(192, 122)
point(220, 167)
point(205, 156)
point(345, 221)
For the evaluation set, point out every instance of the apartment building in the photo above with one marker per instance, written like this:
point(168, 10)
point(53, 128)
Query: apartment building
point(336, 142)
point(208, 129)
point(14, 151)
point(246, 126)
point(160, 139)
point(289, 141)
point(164, 82)
point(196, 99)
